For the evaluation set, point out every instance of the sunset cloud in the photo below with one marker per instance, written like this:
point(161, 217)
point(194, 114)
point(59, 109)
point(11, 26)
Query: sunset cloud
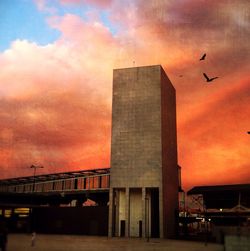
point(56, 99)
point(215, 141)
point(100, 3)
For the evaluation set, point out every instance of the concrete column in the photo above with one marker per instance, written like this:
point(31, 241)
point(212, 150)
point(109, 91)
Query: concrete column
point(143, 212)
point(110, 228)
point(116, 208)
point(127, 217)
point(161, 212)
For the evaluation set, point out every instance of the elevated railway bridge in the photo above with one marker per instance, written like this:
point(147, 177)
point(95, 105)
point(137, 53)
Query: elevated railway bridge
point(56, 188)
point(55, 203)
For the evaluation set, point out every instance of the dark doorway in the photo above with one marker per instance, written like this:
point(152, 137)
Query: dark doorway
point(155, 233)
point(140, 228)
point(122, 233)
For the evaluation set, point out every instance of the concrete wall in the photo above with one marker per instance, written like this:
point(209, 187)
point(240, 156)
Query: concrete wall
point(143, 143)
point(219, 232)
point(121, 210)
point(237, 243)
point(135, 209)
point(170, 174)
point(136, 128)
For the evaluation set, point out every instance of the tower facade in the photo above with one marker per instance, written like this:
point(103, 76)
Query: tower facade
point(144, 172)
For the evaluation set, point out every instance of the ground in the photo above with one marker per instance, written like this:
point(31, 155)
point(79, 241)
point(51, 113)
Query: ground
point(22, 242)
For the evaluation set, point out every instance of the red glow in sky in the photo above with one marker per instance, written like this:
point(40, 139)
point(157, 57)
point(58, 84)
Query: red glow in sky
point(56, 98)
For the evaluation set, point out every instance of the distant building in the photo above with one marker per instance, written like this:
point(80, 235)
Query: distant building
point(225, 207)
point(144, 171)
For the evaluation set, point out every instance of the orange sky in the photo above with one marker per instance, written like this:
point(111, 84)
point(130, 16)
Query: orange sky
point(56, 98)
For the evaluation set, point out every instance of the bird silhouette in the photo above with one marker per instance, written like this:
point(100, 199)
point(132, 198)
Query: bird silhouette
point(248, 132)
point(209, 79)
point(203, 57)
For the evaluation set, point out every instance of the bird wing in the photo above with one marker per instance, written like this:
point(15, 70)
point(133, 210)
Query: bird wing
point(205, 75)
point(203, 57)
point(213, 78)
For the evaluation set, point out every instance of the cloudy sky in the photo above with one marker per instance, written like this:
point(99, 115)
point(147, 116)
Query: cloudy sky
point(57, 59)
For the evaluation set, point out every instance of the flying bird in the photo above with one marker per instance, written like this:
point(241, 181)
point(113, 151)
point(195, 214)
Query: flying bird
point(203, 57)
point(209, 79)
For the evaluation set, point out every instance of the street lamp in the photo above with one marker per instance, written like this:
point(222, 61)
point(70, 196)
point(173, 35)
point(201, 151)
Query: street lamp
point(34, 175)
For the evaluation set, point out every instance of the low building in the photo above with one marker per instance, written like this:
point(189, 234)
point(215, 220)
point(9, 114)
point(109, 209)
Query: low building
point(226, 208)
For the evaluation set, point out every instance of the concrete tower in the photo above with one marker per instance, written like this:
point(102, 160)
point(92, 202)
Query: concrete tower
point(144, 172)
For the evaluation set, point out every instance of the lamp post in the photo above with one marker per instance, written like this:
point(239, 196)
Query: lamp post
point(34, 175)
point(33, 224)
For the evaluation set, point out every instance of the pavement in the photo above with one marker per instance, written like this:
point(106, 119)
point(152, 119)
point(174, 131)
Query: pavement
point(22, 242)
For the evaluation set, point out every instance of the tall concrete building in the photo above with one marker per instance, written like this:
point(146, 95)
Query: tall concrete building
point(144, 172)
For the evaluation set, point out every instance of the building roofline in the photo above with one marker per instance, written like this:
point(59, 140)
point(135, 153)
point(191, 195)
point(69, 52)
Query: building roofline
point(218, 188)
point(143, 66)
